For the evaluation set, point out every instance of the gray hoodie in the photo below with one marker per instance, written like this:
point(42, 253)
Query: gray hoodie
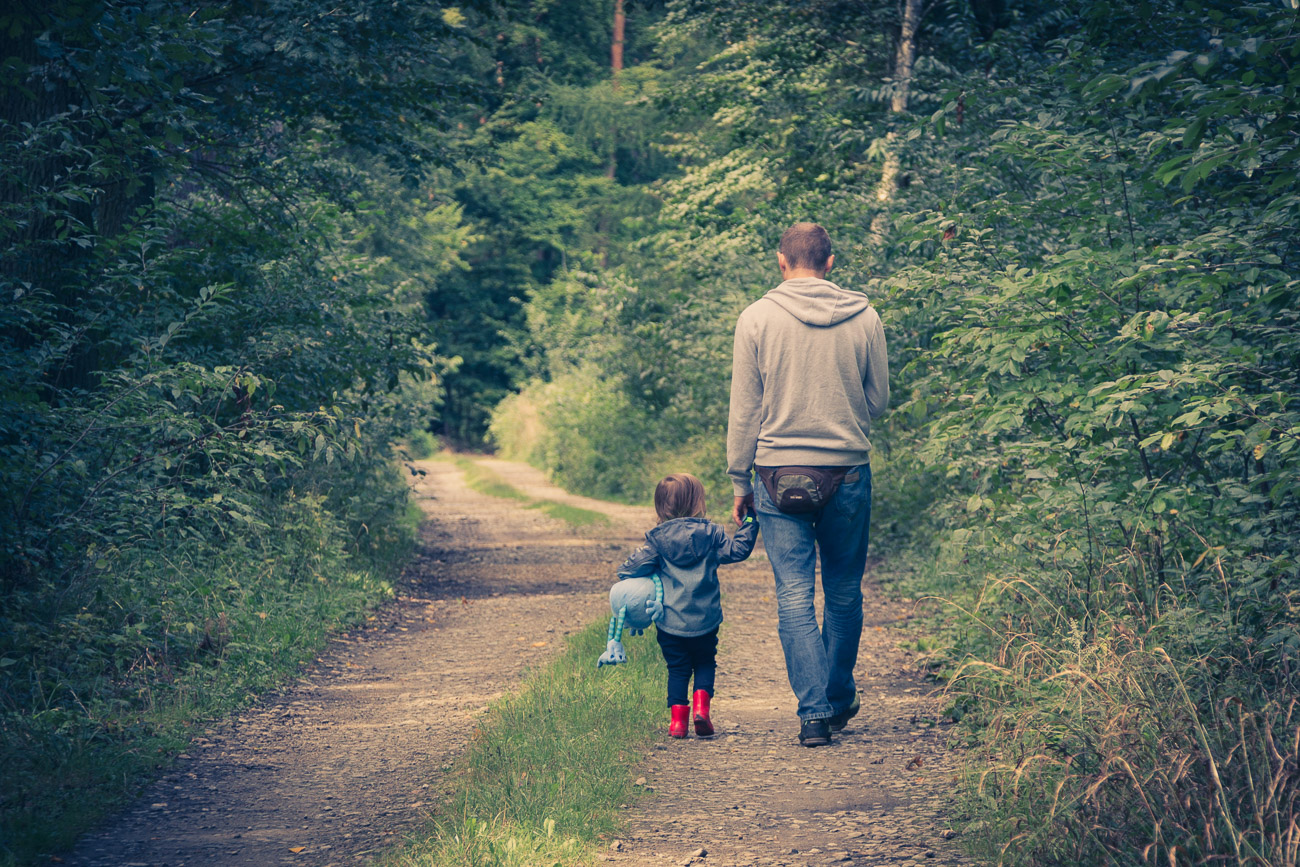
point(808, 374)
point(686, 553)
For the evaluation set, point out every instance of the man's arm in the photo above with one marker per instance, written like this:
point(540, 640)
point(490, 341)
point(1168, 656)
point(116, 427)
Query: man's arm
point(876, 383)
point(743, 415)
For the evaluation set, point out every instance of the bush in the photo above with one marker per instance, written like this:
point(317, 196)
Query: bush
point(583, 430)
point(106, 674)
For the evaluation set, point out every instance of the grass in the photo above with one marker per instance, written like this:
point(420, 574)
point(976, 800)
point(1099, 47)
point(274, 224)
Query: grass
point(99, 694)
point(549, 765)
point(485, 481)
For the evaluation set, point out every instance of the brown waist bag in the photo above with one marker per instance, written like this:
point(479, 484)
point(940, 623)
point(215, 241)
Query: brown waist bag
point(801, 489)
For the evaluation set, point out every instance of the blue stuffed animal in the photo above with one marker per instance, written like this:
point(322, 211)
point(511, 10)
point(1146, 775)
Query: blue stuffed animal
point(636, 603)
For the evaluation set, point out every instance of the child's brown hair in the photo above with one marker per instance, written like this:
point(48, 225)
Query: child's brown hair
point(679, 495)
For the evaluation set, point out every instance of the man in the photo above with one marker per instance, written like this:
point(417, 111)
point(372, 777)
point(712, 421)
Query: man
point(808, 374)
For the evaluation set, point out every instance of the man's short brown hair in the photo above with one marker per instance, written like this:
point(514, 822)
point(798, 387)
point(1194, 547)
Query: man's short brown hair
point(679, 495)
point(806, 245)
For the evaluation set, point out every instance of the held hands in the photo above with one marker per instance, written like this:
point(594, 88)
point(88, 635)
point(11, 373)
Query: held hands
point(744, 506)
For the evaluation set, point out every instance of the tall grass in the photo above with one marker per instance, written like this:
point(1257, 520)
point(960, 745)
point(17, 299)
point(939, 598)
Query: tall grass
point(103, 681)
point(550, 764)
point(1121, 741)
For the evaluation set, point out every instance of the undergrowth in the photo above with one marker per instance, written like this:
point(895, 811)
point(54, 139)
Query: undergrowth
point(549, 765)
point(1116, 739)
point(104, 679)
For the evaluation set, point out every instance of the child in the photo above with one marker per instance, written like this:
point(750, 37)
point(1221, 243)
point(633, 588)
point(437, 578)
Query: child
point(685, 550)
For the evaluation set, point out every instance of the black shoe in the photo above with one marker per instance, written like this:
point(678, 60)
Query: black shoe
point(814, 733)
point(841, 719)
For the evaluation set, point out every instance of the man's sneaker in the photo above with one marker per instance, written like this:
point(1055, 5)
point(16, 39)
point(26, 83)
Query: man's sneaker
point(814, 733)
point(841, 719)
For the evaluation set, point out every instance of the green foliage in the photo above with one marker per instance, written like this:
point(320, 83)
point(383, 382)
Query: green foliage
point(1109, 393)
point(105, 684)
point(585, 426)
point(1088, 279)
point(204, 356)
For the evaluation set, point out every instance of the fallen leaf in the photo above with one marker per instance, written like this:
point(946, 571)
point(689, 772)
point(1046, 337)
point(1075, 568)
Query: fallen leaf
point(296, 849)
point(915, 763)
point(539, 644)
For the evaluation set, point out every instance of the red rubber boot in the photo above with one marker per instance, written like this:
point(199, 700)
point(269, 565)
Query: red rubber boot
point(703, 727)
point(680, 722)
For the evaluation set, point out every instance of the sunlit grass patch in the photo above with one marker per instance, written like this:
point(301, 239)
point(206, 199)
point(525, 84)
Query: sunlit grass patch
point(550, 764)
point(575, 515)
point(485, 481)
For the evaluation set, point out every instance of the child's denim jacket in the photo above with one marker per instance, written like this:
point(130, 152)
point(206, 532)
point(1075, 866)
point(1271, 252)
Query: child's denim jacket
point(686, 553)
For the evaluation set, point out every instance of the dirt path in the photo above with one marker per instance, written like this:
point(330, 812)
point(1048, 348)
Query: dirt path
point(341, 764)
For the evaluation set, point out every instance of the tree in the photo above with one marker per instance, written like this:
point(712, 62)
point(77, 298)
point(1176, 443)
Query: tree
point(904, 60)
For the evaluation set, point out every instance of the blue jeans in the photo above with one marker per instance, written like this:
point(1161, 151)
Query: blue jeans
point(820, 663)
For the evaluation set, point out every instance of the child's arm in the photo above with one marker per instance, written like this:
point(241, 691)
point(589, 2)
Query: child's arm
point(653, 607)
point(643, 563)
point(738, 547)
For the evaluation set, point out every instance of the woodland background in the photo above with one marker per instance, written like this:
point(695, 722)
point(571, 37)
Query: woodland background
point(247, 247)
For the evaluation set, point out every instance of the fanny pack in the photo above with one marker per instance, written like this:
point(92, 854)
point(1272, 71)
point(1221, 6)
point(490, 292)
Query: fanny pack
point(802, 489)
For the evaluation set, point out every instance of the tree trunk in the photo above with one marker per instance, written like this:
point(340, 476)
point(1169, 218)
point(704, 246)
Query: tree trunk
point(616, 66)
point(616, 51)
point(904, 60)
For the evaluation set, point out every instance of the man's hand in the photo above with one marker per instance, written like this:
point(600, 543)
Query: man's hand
point(744, 505)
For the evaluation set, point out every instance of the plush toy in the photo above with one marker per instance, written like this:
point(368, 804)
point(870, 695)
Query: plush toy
point(636, 603)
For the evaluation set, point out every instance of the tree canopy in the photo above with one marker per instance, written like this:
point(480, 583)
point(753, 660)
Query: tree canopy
point(245, 247)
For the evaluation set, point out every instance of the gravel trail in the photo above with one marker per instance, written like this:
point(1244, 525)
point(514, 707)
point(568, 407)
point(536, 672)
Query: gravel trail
point(342, 763)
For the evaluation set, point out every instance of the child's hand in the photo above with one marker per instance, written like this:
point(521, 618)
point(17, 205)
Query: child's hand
point(655, 609)
point(743, 506)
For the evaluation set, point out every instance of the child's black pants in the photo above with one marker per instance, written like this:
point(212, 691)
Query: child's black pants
point(697, 654)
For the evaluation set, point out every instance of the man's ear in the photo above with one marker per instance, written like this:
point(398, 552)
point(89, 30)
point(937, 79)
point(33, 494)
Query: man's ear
point(781, 264)
point(830, 263)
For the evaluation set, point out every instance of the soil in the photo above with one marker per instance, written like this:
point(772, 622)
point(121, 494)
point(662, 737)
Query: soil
point(341, 764)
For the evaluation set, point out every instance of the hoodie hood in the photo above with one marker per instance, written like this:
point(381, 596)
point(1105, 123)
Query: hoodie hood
point(682, 541)
point(814, 301)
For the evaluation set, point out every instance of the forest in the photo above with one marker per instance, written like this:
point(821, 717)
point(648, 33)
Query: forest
point(250, 252)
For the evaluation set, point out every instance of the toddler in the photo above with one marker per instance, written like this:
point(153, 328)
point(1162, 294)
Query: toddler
point(685, 551)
